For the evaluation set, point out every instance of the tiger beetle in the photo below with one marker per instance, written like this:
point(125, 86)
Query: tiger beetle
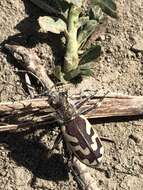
point(80, 138)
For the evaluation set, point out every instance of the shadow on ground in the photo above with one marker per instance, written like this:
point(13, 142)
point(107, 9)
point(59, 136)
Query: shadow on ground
point(31, 155)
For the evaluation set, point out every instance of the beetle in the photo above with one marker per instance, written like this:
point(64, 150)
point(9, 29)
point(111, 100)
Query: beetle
point(83, 141)
point(80, 138)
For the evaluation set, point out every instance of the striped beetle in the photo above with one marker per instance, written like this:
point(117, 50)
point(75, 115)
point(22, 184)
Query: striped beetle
point(81, 139)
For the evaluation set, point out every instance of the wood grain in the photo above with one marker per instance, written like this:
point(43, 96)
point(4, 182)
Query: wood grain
point(35, 112)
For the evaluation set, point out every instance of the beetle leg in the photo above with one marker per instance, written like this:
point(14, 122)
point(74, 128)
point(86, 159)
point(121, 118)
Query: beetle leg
point(87, 110)
point(74, 171)
point(84, 101)
point(97, 104)
point(68, 154)
point(56, 143)
point(76, 174)
point(70, 160)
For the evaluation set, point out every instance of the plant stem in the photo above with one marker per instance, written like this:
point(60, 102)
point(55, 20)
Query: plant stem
point(71, 57)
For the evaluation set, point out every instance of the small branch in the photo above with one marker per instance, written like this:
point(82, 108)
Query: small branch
point(110, 107)
point(30, 61)
point(25, 114)
point(116, 107)
point(32, 104)
point(39, 111)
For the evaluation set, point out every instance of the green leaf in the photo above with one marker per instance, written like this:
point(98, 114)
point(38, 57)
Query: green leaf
point(87, 72)
point(72, 74)
point(82, 70)
point(86, 31)
point(86, 66)
point(49, 24)
point(107, 6)
point(91, 54)
point(86, 69)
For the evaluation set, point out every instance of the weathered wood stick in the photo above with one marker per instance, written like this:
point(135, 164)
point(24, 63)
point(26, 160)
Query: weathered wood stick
point(115, 107)
point(111, 106)
point(40, 111)
point(32, 104)
point(25, 114)
point(30, 61)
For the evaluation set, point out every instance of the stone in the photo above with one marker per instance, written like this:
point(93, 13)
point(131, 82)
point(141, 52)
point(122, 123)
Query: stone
point(138, 46)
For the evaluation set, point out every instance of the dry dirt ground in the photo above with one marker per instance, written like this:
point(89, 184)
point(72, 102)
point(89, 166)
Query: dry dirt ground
point(22, 166)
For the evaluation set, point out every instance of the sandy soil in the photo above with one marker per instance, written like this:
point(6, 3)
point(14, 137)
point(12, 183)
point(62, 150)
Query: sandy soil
point(22, 166)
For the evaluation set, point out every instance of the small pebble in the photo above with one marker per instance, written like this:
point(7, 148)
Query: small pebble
point(108, 173)
point(136, 138)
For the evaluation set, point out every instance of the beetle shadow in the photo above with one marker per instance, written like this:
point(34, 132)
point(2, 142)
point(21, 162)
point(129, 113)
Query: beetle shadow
point(31, 155)
point(115, 119)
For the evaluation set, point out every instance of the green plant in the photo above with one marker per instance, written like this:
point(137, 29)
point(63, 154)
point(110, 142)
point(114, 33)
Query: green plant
point(76, 20)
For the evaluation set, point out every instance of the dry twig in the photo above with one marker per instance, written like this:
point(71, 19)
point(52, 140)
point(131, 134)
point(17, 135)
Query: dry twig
point(40, 112)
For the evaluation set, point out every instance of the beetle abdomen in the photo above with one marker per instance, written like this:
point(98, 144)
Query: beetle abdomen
point(83, 140)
